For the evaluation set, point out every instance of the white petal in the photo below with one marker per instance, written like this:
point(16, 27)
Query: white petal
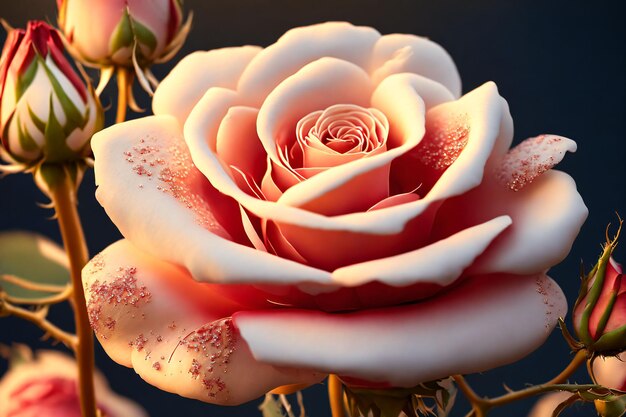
point(440, 263)
point(399, 53)
point(175, 332)
point(300, 46)
point(195, 74)
point(485, 322)
point(177, 220)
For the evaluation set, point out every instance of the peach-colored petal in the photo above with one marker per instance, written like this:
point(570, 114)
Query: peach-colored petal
point(483, 323)
point(547, 216)
point(548, 403)
point(238, 144)
point(152, 205)
point(398, 53)
point(301, 46)
point(485, 111)
point(531, 158)
point(440, 263)
point(195, 74)
point(175, 332)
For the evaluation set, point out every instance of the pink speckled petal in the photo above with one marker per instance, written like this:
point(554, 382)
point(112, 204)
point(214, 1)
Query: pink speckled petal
point(531, 158)
point(547, 216)
point(483, 323)
point(175, 332)
point(166, 207)
point(196, 73)
point(301, 46)
point(401, 53)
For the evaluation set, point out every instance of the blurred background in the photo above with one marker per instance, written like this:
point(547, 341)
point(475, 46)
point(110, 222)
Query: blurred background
point(559, 63)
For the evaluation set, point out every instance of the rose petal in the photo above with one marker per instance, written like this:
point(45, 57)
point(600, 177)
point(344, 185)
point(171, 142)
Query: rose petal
point(238, 144)
point(483, 106)
point(547, 216)
point(440, 263)
point(300, 46)
point(175, 332)
point(485, 322)
point(525, 162)
point(196, 73)
point(152, 215)
point(400, 53)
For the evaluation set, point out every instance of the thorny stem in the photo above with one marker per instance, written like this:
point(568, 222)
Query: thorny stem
point(335, 396)
point(39, 319)
point(29, 285)
point(64, 200)
point(53, 299)
point(122, 93)
point(481, 406)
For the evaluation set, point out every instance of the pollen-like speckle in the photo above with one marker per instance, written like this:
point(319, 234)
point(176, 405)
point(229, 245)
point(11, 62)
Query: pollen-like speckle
point(121, 289)
point(531, 158)
point(175, 174)
point(156, 366)
point(194, 369)
point(214, 386)
point(139, 343)
point(443, 142)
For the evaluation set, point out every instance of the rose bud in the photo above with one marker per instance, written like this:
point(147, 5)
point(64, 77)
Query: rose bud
point(47, 112)
point(107, 33)
point(47, 387)
point(599, 318)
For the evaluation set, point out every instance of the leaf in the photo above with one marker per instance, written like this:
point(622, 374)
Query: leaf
point(34, 258)
point(270, 407)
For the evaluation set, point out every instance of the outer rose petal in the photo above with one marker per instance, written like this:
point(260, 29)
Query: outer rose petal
point(176, 333)
point(300, 46)
point(485, 322)
point(196, 73)
point(153, 217)
point(547, 216)
point(400, 53)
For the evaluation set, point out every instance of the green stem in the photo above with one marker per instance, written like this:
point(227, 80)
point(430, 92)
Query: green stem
point(63, 195)
point(481, 406)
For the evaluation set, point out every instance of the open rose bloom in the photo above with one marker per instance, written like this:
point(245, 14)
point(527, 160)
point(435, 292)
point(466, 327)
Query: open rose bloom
point(329, 204)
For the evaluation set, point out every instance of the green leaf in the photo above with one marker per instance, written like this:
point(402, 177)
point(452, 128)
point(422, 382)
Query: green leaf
point(144, 35)
point(270, 407)
point(32, 257)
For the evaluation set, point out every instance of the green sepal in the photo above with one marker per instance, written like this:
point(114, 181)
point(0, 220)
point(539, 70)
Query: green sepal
point(39, 124)
point(611, 343)
point(574, 344)
point(26, 79)
point(144, 35)
point(74, 118)
point(27, 142)
point(611, 406)
point(56, 149)
point(122, 36)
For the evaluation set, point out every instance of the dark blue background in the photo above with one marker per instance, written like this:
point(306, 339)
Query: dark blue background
point(559, 63)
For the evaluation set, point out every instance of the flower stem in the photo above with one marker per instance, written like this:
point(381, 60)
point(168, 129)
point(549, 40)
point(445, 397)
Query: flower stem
point(122, 93)
point(63, 196)
point(481, 406)
point(39, 319)
point(335, 396)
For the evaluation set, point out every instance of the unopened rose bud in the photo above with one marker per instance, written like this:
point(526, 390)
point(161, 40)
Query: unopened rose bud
point(599, 318)
point(104, 33)
point(47, 112)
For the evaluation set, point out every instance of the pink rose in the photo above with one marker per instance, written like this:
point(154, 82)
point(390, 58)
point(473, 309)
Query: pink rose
point(326, 205)
point(47, 387)
point(104, 32)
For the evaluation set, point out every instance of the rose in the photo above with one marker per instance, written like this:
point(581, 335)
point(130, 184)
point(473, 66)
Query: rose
point(48, 387)
point(609, 372)
point(105, 32)
point(47, 112)
point(345, 212)
point(599, 318)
